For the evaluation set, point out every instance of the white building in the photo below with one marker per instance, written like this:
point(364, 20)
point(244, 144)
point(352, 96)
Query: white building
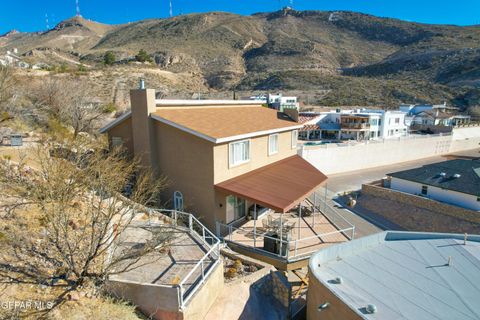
point(280, 102)
point(455, 182)
point(12, 59)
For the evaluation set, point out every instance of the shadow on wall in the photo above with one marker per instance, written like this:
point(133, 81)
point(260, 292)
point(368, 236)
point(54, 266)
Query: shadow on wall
point(269, 298)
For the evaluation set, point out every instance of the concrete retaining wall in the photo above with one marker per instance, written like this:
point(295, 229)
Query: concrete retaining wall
point(338, 158)
point(163, 302)
point(156, 302)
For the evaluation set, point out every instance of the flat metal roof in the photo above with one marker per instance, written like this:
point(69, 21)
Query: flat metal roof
point(405, 275)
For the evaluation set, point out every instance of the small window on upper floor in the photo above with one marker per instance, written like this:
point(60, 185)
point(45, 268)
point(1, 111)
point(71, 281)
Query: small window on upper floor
point(294, 138)
point(239, 152)
point(272, 144)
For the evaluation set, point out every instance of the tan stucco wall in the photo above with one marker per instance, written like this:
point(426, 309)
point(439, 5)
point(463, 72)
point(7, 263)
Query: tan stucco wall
point(258, 156)
point(187, 162)
point(317, 294)
point(206, 296)
point(123, 130)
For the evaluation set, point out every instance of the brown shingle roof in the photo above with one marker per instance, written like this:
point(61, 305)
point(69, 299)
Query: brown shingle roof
point(223, 122)
point(280, 186)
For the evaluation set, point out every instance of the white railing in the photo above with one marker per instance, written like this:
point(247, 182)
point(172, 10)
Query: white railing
point(227, 230)
point(206, 264)
point(331, 213)
point(323, 237)
point(351, 143)
point(287, 249)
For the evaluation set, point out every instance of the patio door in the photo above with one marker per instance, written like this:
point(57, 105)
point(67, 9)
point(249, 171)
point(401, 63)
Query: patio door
point(236, 208)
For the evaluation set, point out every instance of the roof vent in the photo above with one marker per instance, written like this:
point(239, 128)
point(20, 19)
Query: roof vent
point(457, 175)
point(443, 174)
point(338, 280)
point(371, 308)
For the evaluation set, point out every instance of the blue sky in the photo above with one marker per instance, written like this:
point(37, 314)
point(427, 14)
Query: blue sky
point(29, 15)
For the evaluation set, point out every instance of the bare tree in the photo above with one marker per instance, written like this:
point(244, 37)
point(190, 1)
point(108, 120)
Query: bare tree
point(69, 102)
point(63, 218)
point(7, 83)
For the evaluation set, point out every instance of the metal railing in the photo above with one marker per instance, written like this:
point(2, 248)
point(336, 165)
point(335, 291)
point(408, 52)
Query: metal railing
point(206, 264)
point(228, 230)
point(353, 143)
point(323, 237)
point(289, 249)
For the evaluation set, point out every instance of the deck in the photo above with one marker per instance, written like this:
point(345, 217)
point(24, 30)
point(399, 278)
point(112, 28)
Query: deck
point(308, 235)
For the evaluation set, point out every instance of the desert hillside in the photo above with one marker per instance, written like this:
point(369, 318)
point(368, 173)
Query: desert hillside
point(328, 58)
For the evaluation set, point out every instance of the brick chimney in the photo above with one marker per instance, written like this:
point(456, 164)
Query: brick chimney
point(143, 104)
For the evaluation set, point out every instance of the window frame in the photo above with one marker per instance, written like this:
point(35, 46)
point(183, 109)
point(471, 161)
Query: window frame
point(270, 152)
point(294, 138)
point(424, 190)
point(231, 157)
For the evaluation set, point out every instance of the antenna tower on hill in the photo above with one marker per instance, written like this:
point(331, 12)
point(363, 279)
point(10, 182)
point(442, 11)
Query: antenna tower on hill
point(46, 21)
point(77, 9)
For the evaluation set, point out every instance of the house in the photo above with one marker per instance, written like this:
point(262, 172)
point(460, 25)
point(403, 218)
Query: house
point(358, 124)
point(397, 275)
point(455, 182)
point(430, 117)
point(231, 162)
point(414, 109)
point(223, 156)
point(281, 103)
point(11, 58)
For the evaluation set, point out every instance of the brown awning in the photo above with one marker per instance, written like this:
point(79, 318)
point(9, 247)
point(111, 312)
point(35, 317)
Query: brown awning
point(280, 186)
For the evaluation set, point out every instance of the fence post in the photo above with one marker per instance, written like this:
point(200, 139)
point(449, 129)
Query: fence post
point(203, 272)
point(230, 232)
point(296, 242)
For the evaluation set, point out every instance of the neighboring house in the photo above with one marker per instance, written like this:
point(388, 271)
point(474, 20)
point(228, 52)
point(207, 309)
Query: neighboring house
point(12, 59)
point(455, 182)
point(360, 124)
point(397, 275)
point(414, 109)
point(280, 103)
point(223, 156)
point(423, 117)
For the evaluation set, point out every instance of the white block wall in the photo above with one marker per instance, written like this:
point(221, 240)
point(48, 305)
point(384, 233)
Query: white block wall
point(451, 197)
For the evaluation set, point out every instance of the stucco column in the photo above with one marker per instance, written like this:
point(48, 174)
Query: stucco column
point(143, 104)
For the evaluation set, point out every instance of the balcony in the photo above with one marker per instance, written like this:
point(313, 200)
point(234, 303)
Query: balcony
point(287, 240)
point(355, 126)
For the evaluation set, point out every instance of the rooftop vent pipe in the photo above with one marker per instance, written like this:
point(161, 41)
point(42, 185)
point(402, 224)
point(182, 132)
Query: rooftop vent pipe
point(142, 84)
point(371, 308)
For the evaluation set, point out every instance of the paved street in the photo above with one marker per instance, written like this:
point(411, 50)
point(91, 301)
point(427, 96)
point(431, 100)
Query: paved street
point(352, 181)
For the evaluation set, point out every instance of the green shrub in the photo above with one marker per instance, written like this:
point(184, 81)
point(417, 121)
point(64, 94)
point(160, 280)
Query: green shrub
point(109, 58)
point(143, 56)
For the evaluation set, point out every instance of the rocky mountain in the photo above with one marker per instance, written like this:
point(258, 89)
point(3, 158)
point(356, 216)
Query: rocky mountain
point(334, 58)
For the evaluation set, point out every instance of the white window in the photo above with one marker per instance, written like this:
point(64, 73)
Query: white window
point(239, 152)
point(272, 144)
point(294, 138)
